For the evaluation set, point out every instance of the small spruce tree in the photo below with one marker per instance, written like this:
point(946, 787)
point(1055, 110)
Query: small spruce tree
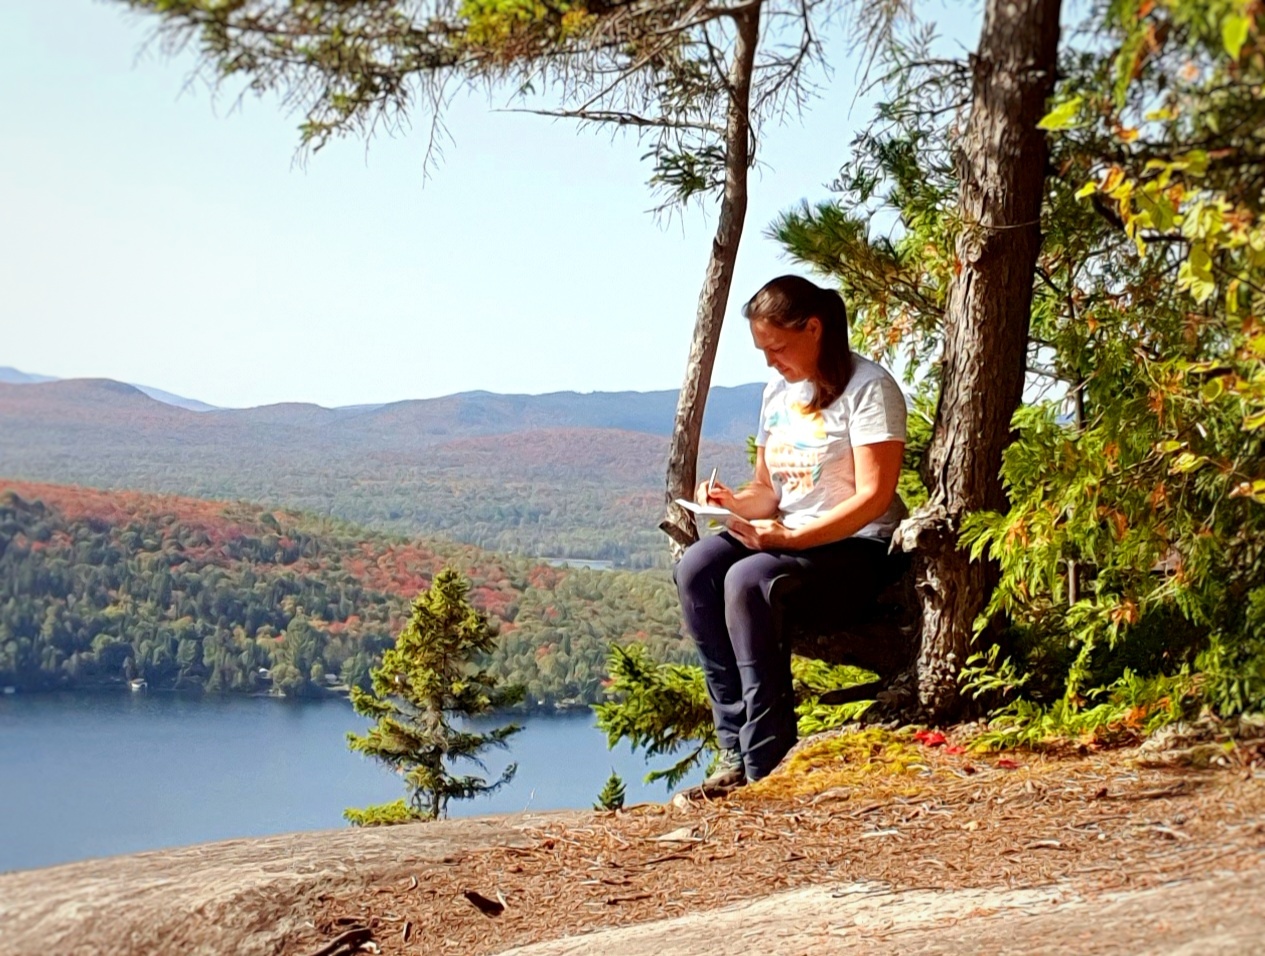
point(612, 795)
point(430, 675)
point(661, 708)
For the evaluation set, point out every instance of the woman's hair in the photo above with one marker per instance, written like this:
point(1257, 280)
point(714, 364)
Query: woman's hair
point(788, 302)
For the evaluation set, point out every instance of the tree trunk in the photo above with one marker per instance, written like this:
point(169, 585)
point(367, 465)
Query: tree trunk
point(1002, 170)
point(714, 298)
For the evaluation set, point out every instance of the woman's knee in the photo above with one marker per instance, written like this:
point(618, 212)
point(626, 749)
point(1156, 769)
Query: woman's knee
point(748, 581)
point(703, 565)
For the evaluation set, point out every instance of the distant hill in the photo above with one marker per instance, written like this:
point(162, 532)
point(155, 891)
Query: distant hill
point(560, 475)
point(730, 415)
point(729, 418)
point(16, 377)
point(192, 404)
point(47, 414)
point(13, 376)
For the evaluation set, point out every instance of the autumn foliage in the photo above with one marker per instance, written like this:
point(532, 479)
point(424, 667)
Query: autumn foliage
point(101, 586)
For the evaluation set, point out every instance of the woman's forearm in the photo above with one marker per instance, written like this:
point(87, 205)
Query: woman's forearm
point(842, 521)
point(755, 501)
point(877, 473)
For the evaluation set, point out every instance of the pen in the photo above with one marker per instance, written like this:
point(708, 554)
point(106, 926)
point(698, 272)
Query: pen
point(711, 481)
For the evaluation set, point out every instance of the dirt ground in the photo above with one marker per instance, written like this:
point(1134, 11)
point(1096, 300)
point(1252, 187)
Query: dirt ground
point(862, 845)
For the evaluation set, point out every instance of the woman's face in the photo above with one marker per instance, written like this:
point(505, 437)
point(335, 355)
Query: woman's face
point(793, 352)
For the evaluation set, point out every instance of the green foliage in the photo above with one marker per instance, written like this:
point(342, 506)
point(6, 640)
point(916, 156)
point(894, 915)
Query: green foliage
point(661, 708)
point(430, 676)
point(1148, 507)
point(814, 678)
point(612, 795)
point(921, 423)
point(1130, 708)
point(991, 676)
point(664, 708)
point(895, 281)
point(1234, 673)
point(499, 24)
point(383, 814)
point(687, 173)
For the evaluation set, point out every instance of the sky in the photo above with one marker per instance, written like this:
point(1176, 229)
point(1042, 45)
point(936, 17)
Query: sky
point(155, 233)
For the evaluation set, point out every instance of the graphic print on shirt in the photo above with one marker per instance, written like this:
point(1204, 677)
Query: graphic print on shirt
point(796, 448)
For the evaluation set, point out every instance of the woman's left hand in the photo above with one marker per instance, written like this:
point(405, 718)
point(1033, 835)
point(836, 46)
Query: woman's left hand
point(763, 534)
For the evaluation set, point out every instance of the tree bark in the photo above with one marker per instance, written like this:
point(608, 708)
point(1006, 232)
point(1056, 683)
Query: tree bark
point(1002, 166)
point(687, 428)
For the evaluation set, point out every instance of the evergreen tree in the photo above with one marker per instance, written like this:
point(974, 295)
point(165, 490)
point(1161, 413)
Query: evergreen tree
point(429, 676)
point(659, 707)
point(612, 795)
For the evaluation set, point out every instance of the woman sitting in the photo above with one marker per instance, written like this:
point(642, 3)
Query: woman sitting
point(822, 507)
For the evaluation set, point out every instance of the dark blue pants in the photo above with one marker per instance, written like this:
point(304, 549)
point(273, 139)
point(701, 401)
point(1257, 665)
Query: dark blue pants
point(728, 598)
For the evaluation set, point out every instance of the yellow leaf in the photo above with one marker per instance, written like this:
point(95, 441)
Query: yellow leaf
point(1234, 33)
point(1062, 116)
point(1195, 163)
point(1187, 462)
point(1195, 274)
point(1087, 190)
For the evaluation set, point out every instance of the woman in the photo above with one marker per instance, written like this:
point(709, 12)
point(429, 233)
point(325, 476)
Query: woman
point(822, 507)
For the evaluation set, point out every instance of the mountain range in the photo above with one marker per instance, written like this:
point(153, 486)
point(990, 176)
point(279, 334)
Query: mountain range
point(564, 474)
point(729, 416)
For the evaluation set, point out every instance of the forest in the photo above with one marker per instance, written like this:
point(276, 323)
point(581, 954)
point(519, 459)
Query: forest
point(97, 588)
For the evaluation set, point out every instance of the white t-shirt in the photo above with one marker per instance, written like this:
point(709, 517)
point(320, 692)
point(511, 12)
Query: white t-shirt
point(809, 454)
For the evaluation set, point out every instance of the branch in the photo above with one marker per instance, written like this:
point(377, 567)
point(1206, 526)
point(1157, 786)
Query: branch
point(671, 33)
point(620, 118)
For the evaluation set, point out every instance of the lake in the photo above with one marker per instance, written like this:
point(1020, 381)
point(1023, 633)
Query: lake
point(89, 775)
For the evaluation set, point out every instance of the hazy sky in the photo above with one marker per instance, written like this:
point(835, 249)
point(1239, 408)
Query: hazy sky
point(154, 235)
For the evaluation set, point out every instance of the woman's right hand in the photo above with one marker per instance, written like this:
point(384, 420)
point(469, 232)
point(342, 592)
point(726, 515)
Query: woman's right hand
point(719, 495)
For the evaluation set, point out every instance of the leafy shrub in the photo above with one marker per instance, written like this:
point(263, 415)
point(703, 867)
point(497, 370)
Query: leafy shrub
point(383, 814)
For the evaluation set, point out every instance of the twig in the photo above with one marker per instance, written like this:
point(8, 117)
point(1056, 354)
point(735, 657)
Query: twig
point(351, 940)
point(664, 859)
point(872, 807)
point(612, 900)
point(1045, 845)
point(1173, 791)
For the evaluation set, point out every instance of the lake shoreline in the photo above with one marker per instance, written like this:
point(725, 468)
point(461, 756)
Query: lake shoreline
point(172, 768)
point(121, 687)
